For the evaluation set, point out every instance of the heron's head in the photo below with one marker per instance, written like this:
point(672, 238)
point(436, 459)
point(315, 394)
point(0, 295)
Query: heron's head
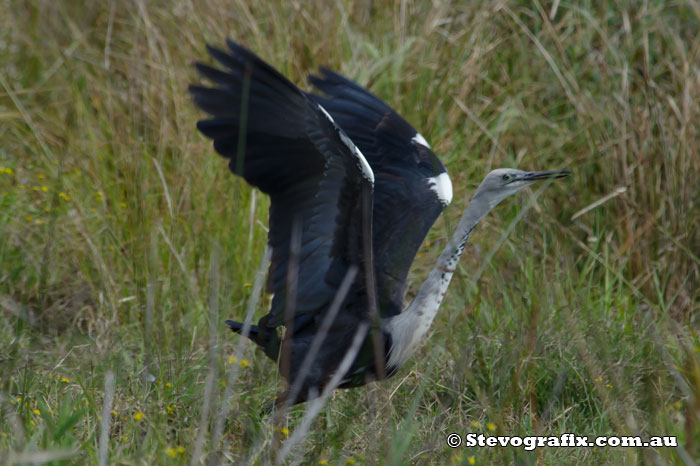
point(503, 182)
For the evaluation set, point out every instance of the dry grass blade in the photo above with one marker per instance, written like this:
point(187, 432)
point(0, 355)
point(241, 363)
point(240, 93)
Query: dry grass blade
point(601, 201)
point(207, 402)
point(105, 425)
point(166, 191)
point(41, 457)
point(292, 276)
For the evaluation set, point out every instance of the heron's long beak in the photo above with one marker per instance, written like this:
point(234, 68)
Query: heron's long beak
point(535, 176)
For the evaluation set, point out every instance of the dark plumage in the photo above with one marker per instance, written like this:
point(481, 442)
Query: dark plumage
point(354, 189)
point(279, 140)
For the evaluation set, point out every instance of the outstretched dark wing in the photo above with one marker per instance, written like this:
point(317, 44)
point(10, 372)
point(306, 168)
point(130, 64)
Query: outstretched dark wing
point(286, 145)
point(411, 184)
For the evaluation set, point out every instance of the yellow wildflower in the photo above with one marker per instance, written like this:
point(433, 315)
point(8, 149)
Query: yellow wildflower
point(65, 380)
point(64, 196)
point(598, 380)
point(244, 363)
point(39, 221)
point(231, 359)
point(170, 451)
point(284, 431)
point(180, 449)
point(138, 416)
point(677, 405)
point(114, 413)
point(471, 460)
point(41, 176)
point(45, 188)
point(475, 424)
point(169, 409)
point(491, 426)
point(323, 461)
point(31, 421)
point(36, 411)
point(351, 460)
point(122, 205)
point(608, 385)
point(28, 218)
point(168, 385)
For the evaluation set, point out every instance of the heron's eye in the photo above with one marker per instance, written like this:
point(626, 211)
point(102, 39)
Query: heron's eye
point(506, 177)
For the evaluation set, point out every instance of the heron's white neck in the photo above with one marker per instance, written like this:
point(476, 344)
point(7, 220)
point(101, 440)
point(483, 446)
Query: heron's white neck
point(408, 329)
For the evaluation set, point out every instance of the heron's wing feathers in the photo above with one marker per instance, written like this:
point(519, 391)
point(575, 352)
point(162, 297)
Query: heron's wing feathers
point(280, 141)
point(405, 169)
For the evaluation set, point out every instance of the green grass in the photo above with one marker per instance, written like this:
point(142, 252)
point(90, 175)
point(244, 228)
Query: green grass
point(125, 242)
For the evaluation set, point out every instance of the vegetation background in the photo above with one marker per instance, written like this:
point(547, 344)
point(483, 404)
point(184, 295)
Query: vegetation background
point(125, 242)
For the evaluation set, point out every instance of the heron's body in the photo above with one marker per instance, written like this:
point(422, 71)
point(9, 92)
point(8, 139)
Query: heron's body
point(354, 190)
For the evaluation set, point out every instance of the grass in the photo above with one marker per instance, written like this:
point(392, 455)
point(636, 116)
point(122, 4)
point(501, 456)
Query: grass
point(125, 242)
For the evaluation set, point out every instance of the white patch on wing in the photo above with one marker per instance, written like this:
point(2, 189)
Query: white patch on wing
point(364, 166)
point(442, 186)
point(326, 113)
point(420, 140)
